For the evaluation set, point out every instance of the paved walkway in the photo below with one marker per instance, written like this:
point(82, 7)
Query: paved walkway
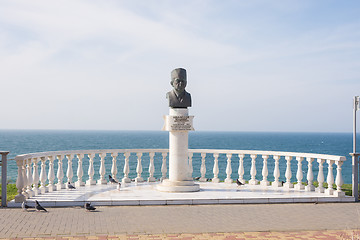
point(262, 221)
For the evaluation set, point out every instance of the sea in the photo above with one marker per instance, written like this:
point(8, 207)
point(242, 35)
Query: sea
point(30, 141)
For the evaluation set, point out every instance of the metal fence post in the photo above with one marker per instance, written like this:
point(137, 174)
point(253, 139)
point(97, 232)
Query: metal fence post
point(3, 178)
point(355, 175)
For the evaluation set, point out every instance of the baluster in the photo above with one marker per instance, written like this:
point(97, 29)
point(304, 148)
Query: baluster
point(216, 168)
point(102, 179)
point(203, 168)
point(163, 166)
point(151, 167)
point(19, 198)
point(190, 167)
point(276, 182)
point(265, 171)
point(25, 179)
point(241, 168)
point(310, 175)
point(339, 180)
point(299, 174)
point(91, 170)
point(51, 174)
point(330, 178)
point(126, 178)
point(139, 168)
point(228, 169)
point(35, 177)
point(29, 190)
point(80, 172)
point(320, 178)
point(253, 180)
point(42, 176)
point(60, 173)
point(114, 166)
point(69, 172)
point(288, 183)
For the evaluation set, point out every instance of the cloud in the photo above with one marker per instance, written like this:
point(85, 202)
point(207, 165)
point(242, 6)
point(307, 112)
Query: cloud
point(109, 63)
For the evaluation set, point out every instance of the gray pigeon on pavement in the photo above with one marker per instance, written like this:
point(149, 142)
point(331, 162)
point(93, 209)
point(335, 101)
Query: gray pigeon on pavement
point(24, 206)
point(38, 207)
point(88, 207)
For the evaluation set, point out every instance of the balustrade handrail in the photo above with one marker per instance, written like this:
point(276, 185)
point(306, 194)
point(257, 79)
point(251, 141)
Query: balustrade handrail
point(219, 151)
point(29, 164)
point(90, 151)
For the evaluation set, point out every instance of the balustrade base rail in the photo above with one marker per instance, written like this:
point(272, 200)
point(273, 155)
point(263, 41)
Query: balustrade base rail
point(31, 183)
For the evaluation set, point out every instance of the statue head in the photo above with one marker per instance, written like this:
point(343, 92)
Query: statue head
point(178, 79)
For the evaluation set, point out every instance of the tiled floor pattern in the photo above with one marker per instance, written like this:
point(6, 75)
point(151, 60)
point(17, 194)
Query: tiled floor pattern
point(301, 235)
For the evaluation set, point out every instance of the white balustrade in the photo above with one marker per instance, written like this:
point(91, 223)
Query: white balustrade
point(35, 176)
point(163, 166)
point(126, 178)
point(330, 178)
point(320, 178)
point(60, 173)
point(265, 171)
point(91, 170)
point(25, 180)
point(216, 168)
point(20, 184)
point(310, 175)
point(51, 174)
point(253, 180)
point(339, 180)
point(69, 172)
point(288, 174)
point(203, 168)
point(102, 179)
point(276, 182)
point(114, 166)
point(299, 174)
point(43, 188)
point(228, 168)
point(80, 171)
point(29, 190)
point(29, 177)
point(151, 177)
point(241, 168)
point(139, 168)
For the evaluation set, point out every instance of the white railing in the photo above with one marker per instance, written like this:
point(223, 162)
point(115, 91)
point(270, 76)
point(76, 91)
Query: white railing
point(31, 183)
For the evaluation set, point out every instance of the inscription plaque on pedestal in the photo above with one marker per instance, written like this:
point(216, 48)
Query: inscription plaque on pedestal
point(178, 123)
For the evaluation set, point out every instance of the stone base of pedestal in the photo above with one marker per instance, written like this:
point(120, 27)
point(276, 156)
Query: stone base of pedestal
point(178, 186)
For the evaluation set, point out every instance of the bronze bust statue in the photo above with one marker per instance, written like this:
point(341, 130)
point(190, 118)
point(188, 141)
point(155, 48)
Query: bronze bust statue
point(178, 97)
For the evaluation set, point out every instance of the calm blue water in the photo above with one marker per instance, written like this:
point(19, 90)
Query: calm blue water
point(29, 141)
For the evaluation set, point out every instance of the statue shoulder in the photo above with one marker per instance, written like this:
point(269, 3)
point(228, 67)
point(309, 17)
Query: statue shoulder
point(169, 94)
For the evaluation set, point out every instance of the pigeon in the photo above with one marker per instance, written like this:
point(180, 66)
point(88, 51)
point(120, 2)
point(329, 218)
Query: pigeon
point(238, 182)
point(88, 207)
point(119, 186)
point(24, 206)
point(112, 180)
point(38, 207)
point(70, 186)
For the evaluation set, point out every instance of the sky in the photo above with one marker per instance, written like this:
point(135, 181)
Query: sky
point(260, 65)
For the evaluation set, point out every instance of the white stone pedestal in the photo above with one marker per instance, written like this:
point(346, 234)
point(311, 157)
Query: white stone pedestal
point(178, 123)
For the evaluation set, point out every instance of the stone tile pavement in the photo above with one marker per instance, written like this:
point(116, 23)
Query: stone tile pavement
point(242, 221)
